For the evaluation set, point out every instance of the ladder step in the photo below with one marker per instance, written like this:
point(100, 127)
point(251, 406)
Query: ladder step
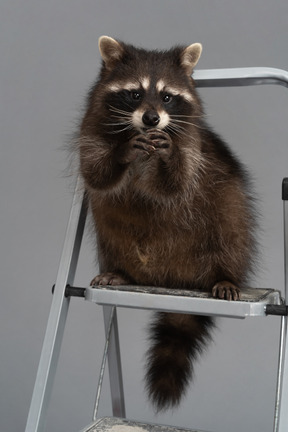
point(112, 424)
point(253, 301)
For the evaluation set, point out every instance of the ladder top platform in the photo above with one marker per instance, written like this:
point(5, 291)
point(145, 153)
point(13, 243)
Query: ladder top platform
point(111, 424)
point(253, 301)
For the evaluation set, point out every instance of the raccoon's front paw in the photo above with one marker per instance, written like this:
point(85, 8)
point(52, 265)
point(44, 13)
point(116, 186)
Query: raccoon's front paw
point(109, 279)
point(225, 290)
point(139, 146)
point(161, 141)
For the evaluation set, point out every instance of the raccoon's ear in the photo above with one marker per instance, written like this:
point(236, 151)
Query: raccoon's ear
point(111, 51)
point(190, 57)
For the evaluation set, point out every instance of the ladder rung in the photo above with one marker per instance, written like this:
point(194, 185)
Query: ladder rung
point(112, 424)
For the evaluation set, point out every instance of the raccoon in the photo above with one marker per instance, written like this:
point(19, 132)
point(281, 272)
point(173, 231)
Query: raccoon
point(171, 204)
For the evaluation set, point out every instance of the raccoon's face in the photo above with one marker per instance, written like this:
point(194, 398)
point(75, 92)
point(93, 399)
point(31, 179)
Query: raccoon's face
point(148, 89)
point(148, 103)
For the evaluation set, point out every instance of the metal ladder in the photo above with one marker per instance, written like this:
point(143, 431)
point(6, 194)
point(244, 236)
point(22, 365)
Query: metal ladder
point(254, 302)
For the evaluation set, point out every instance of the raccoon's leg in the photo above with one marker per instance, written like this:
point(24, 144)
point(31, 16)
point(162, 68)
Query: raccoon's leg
point(226, 290)
point(110, 279)
point(99, 163)
point(177, 339)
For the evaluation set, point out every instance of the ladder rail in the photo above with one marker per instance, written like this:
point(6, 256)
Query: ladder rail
point(114, 364)
point(281, 357)
point(110, 322)
point(281, 412)
point(58, 314)
point(285, 229)
point(234, 77)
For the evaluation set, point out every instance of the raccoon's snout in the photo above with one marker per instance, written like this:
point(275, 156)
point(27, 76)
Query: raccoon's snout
point(151, 118)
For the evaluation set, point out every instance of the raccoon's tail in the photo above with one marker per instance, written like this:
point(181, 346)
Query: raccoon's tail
point(177, 339)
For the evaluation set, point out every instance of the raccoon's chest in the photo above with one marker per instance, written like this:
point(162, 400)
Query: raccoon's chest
point(151, 250)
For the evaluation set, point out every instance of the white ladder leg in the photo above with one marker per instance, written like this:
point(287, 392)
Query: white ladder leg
point(282, 421)
point(57, 317)
point(114, 364)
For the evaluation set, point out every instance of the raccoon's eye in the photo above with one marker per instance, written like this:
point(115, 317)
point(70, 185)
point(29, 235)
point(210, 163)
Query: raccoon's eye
point(136, 95)
point(167, 98)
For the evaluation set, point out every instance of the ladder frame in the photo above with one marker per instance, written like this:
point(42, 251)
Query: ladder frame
point(68, 263)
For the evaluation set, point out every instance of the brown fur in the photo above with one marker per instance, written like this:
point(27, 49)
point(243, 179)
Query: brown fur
point(171, 207)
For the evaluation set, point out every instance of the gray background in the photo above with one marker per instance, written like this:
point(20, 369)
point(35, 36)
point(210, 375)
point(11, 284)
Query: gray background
point(49, 58)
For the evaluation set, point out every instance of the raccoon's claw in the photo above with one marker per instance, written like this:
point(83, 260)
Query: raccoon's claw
point(225, 290)
point(139, 146)
point(159, 138)
point(153, 141)
point(109, 279)
point(161, 141)
point(143, 143)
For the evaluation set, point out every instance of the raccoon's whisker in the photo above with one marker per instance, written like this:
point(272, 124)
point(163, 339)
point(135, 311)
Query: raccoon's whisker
point(185, 122)
point(123, 113)
point(180, 131)
point(172, 130)
point(187, 116)
point(112, 107)
point(177, 130)
point(188, 123)
point(177, 126)
point(128, 127)
point(122, 117)
point(117, 123)
point(119, 111)
point(201, 116)
point(114, 124)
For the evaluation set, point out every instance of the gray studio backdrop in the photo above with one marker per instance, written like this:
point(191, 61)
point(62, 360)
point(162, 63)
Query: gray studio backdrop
point(49, 58)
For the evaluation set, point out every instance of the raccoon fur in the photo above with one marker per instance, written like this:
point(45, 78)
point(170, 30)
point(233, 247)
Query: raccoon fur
point(171, 204)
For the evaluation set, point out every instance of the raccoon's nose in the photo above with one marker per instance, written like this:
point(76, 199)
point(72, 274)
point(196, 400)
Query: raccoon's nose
point(150, 118)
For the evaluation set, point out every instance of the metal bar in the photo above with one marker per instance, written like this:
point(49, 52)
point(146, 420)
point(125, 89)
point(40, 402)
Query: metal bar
point(280, 373)
point(240, 77)
point(57, 317)
point(114, 363)
point(286, 249)
point(102, 370)
point(283, 402)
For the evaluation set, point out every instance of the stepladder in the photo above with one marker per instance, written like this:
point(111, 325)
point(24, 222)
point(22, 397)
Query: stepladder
point(254, 302)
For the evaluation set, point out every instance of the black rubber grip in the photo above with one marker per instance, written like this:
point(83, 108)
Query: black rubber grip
point(280, 310)
point(71, 291)
point(285, 189)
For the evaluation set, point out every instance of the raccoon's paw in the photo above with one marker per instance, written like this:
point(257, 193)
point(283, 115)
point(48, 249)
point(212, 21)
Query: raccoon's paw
point(159, 138)
point(109, 279)
point(161, 141)
point(139, 146)
point(225, 290)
